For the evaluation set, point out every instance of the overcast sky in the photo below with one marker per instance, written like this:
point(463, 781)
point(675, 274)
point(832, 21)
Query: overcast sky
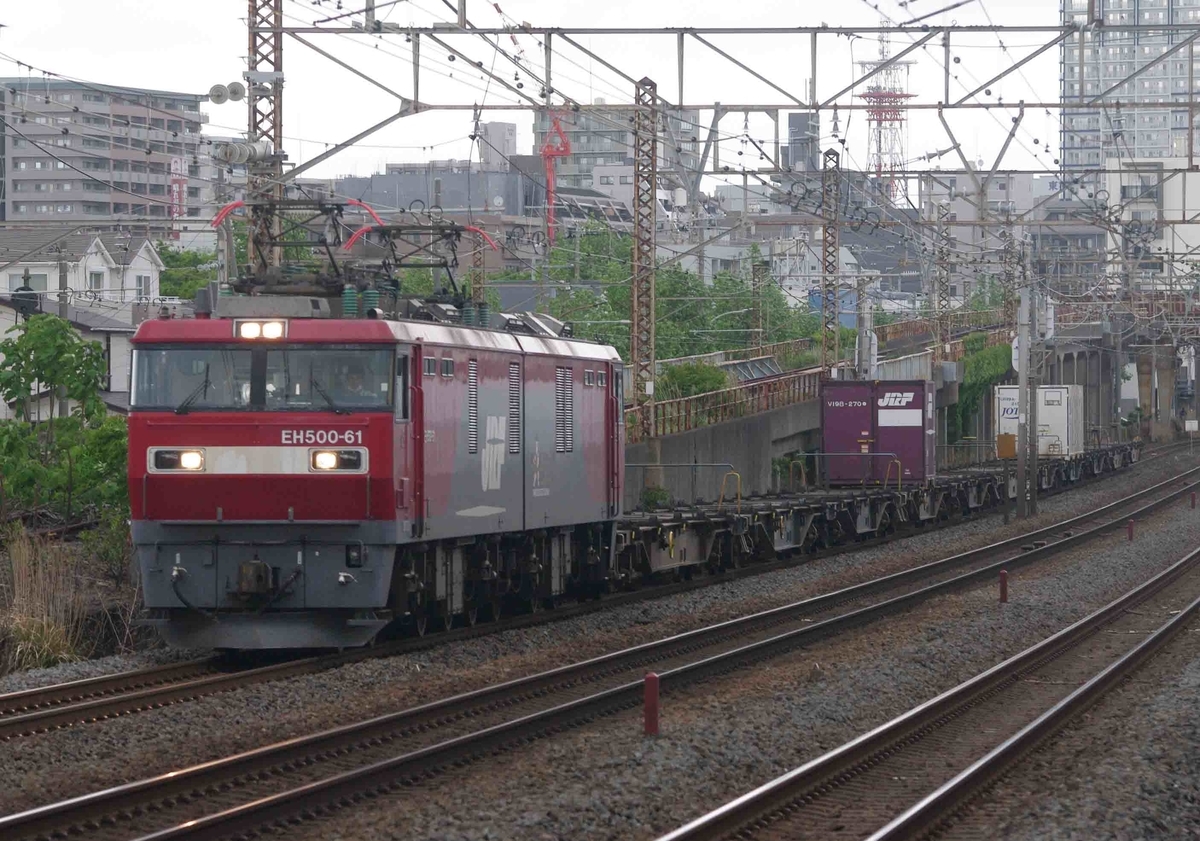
point(188, 45)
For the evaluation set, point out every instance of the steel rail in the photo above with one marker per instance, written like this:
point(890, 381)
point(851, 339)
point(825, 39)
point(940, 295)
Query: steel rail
point(933, 809)
point(94, 699)
point(71, 692)
point(100, 808)
point(760, 808)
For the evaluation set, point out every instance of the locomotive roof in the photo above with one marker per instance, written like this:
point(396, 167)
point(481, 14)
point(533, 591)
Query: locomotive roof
point(371, 331)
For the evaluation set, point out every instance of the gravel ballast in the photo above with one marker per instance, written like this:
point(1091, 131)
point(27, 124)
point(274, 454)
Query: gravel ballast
point(1129, 768)
point(605, 781)
point(50, 766)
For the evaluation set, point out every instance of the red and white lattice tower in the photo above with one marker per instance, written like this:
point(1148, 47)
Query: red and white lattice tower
point(885, 94)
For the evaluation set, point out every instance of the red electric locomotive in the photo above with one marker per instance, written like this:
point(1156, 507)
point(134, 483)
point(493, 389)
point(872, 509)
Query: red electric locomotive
point(304, 481)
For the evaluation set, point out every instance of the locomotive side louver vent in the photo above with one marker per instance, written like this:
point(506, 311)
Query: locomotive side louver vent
point(473, 406)
point(514, 407)
point(564, 411)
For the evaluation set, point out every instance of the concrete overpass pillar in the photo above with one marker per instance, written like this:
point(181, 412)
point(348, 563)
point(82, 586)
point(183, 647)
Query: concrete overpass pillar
point(1108, 411)
point(1093, 390)
point(1164, 366)
point(1145, 362)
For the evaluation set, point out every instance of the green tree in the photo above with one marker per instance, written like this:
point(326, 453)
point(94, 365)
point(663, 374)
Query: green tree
point(185, 272)
point(45, 353)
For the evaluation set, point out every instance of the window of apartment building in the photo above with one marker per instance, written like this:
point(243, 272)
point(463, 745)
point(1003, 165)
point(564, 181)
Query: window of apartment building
point(137, 167)
point(137, 188)
point(41, 164)
point(193, 211)
point(142, 282)
point(626, 179)
point(94, 164)
point(93, 208)
point(175, 125)
point(21, 208)
point(94, 143)
point(137, 121)
point(157, 210)
point(157, 167)
point(41, 187)
point(64, 208)
point(94, 187)
point(63, 186)
point(193, 192)
point(193, 171)
point(138, 209)
point(60, 164)
point(157, 122)
point(37, 282)
point(19, 143)
point(158, 189)
point(43, 208)
point(121, 185)
point(95, 281)
point(606, 179)
point(120, 207)
point(120, 166)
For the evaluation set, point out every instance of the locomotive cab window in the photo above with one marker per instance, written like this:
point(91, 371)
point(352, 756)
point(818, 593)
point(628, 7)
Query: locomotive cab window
point(430, 366)
point(601, 378)
point(589, 377)
point(339, 378)
point(447, 366)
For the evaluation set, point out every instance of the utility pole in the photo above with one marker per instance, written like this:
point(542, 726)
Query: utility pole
point(1036, 357)
point(1024, 356)
point(864, 321)
point(63, 313)
point(758, 279)
point(830, 263)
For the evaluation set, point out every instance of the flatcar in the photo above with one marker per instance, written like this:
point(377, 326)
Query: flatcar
point(307, 481)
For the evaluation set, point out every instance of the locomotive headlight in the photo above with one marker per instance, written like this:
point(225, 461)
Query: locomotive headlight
point(181, 460)
point(325, 460)
point(260, 329)
point(336, 460)
point(191, 459)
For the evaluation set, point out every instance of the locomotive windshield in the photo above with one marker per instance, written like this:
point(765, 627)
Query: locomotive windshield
point(239, 378)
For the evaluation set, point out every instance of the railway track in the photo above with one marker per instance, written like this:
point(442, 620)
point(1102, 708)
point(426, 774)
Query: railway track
point(95, 699)
point(908, 777)
point(240, 793)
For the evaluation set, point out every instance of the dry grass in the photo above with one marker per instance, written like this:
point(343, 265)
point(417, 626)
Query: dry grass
point(45, 606)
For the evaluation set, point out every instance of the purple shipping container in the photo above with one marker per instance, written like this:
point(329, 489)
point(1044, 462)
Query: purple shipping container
point(872, 418)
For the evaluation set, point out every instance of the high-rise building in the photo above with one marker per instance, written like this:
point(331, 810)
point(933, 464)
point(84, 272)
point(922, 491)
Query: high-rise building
point(497, 143)
point(97, 153)
point(601, 137)
point(1158, 127)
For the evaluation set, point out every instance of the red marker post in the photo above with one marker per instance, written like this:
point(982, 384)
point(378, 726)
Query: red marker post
point(1193, 500)
point(650, 709)
point(1129, 529)
point(1003, 586)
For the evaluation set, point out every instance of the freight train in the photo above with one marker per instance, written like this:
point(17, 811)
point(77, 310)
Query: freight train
point(302, 482)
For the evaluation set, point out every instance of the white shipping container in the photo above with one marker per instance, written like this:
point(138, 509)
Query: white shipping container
point(1060, 417)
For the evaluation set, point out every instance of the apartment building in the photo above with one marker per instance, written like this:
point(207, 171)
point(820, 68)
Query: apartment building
point(599, 137)
point(1158, 128)
point(100, 153)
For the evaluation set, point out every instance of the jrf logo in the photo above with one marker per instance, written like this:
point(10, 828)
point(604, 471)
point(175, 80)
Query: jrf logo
point(493, 451)
point(896, 398)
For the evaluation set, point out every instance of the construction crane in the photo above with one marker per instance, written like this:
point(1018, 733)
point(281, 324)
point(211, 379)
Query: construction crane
point(550, 151)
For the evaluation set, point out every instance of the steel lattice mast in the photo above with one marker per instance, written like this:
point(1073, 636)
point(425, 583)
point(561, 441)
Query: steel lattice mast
point(645, 182)
point(830, 262)
point(886, 140)
point(264, 100)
